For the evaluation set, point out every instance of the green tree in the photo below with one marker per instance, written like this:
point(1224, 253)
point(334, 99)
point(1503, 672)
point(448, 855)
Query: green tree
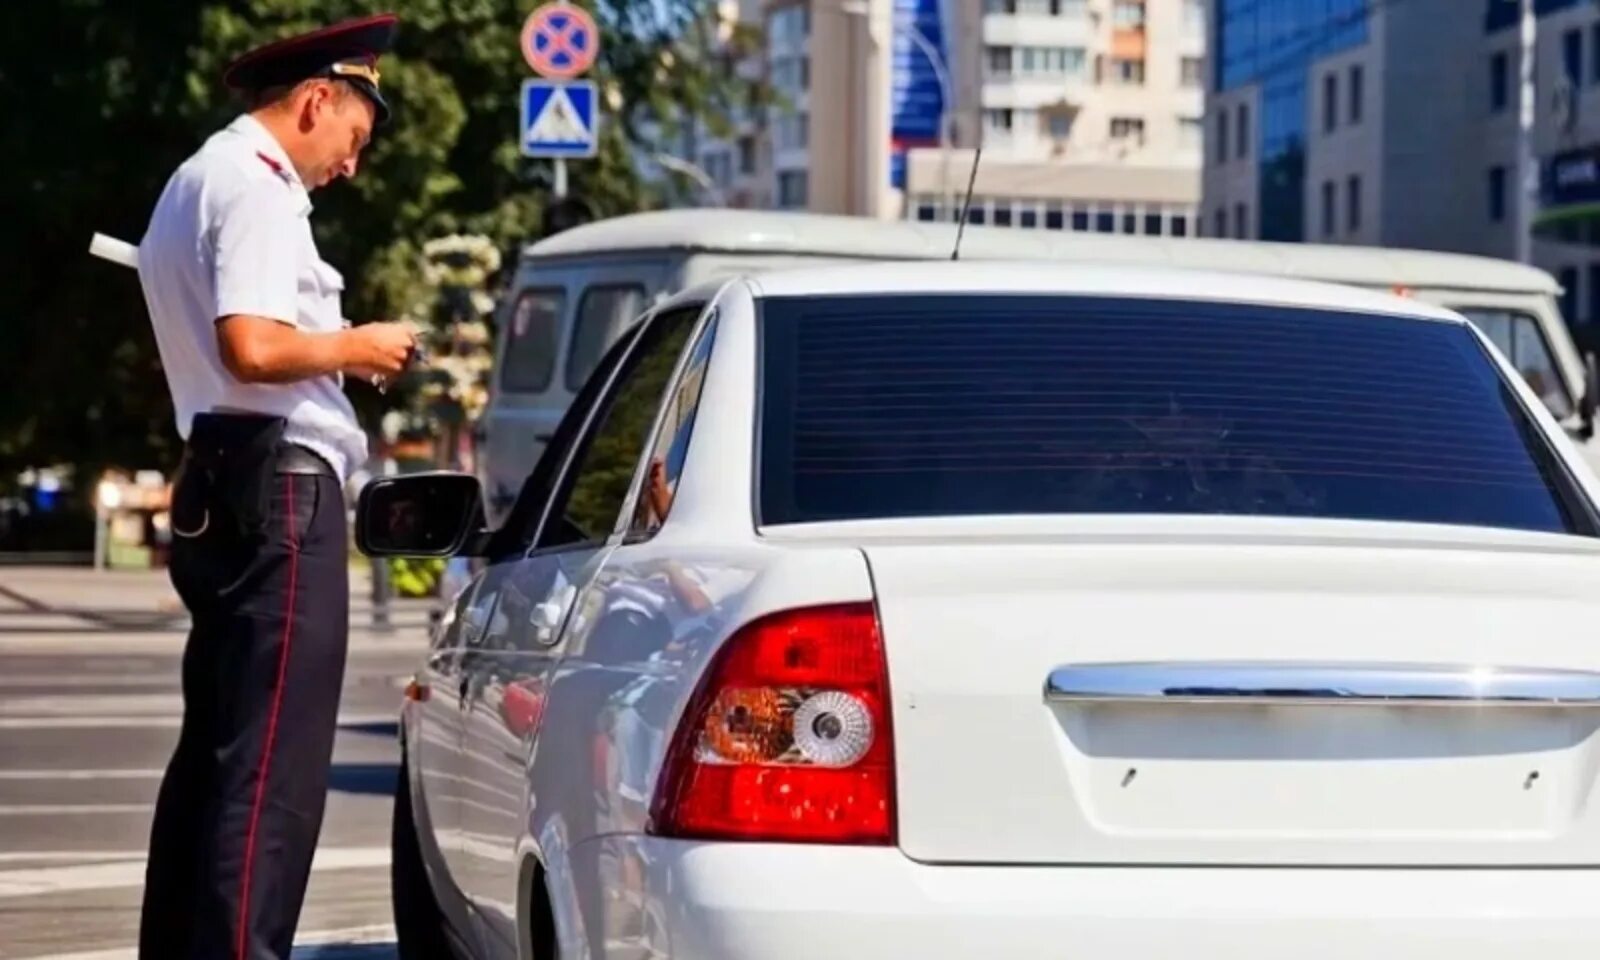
point(103, 98)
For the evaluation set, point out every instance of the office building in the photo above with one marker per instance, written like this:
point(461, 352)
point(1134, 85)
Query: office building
point(1395, 123)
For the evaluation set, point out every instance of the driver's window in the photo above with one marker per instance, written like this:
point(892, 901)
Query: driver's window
point(1517, 335)
point(587, 508)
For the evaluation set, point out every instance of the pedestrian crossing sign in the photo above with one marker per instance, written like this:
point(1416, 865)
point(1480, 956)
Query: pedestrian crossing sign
point(559, 118)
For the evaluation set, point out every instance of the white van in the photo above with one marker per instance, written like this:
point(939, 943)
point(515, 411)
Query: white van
point(573, 293)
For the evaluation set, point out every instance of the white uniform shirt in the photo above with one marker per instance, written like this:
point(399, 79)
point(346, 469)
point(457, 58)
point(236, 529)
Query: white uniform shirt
point(231, 235)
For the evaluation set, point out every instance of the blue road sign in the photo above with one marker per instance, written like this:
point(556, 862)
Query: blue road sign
point(560, 118)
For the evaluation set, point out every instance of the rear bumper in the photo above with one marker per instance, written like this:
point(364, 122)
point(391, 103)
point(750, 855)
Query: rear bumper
point(758, 902)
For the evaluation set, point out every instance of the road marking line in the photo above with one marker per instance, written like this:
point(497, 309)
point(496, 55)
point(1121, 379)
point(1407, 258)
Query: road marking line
point(71, 809)
point(130, 873)
point(316, 945)
point(69, 856)
point(117, 774)
point(150, 722)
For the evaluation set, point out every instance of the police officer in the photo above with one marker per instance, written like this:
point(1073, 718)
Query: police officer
point(248, 322)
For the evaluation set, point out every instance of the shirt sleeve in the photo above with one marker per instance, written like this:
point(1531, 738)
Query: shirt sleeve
point(257, 257)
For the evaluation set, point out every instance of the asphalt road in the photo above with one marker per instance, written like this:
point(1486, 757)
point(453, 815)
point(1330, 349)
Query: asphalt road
point(89, 708)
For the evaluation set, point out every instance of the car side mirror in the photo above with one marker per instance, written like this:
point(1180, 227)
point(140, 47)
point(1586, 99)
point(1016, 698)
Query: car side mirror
point(437, 514)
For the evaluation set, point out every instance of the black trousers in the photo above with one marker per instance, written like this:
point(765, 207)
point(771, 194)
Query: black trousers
point(241, 805)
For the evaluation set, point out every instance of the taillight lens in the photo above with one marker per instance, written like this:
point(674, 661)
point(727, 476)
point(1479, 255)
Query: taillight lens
point(788, 738)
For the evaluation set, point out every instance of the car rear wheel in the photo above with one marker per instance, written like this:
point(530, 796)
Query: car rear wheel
point(418, 922)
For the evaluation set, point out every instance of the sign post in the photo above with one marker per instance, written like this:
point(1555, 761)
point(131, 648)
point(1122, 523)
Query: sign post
point(560, 116)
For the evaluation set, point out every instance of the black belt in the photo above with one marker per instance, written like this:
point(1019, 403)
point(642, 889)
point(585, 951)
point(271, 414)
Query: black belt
point(293, 458)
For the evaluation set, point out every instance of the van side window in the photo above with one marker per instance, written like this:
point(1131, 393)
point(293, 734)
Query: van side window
point(1517, 335)
point(590, 501)
point(666, 457)
point(535, 328)
point(603, 312)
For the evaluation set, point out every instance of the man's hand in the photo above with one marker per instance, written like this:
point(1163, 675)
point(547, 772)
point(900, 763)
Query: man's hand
point(264, 350)
point(380, 350)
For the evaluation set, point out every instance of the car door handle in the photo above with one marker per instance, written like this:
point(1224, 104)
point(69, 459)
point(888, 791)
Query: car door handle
point(1250, 682)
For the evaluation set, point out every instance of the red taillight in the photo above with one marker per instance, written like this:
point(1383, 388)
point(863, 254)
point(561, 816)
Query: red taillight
point(788, 739)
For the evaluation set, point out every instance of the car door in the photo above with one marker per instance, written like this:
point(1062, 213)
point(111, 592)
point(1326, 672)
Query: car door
point(523, 647)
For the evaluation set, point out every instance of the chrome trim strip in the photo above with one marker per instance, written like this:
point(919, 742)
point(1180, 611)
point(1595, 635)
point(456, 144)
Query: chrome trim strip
point(1278, 682)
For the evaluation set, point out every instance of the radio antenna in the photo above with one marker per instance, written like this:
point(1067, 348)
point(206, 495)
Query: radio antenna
point(966, 204)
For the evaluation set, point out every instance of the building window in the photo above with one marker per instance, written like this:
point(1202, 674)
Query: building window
point(927, 212)
point(1499, 82)
point(1105, 222)
point(1352, 204)
point(1497, 194)
point(1189, 133)
point(1128, 14)
point(792, 188)
point(1152, 224)
point(998, 61)
point(1194, 18)
point(1330, 102)
point(1037, 61)
point(1059, 126)
point(1572, 55)
point(1241, 132)
point(791, 132)
point(1033, 8)
point(1329, 227)
point(998, 121)
point(1028, 217)
point(1191, 71)
point(1130, 223)
point(1179, 226)
point(979, 211)
point(1594, 62)
point(1241, 221)
point(1054, 218)
point(1067, 8)
point(1357, 91)
point(1222, 223)
point(1080, 220)
point(747, 154)
point(1127, 72)
point(1222, 136)
point(1002, 213)
point(1127, 128)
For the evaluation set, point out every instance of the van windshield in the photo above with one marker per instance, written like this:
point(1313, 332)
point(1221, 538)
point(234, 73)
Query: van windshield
point(1518, 336)
point(896, 406)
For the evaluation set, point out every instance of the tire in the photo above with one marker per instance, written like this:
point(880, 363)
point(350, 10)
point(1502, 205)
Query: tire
point(418, 922)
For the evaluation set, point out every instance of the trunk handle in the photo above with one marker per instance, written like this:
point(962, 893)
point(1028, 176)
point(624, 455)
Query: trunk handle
point(1273, 682)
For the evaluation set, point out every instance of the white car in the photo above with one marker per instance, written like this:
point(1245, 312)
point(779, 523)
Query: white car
point(1006, 611)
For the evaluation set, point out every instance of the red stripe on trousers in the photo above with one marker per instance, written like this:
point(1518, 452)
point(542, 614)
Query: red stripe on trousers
point(272, 724)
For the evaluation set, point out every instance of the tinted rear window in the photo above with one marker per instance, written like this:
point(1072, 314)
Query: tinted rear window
point(939, 406)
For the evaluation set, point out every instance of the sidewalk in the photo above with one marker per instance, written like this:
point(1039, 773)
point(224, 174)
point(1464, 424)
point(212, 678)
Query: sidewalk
point(54, 599)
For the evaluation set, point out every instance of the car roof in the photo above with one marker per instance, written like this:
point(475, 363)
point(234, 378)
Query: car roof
point(770, 233)
point(1094, 280)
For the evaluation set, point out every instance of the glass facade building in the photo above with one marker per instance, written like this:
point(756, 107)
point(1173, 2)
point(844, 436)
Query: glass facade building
point(1272, 44)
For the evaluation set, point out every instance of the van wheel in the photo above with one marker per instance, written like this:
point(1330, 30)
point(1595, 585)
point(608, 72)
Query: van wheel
point(418, 922)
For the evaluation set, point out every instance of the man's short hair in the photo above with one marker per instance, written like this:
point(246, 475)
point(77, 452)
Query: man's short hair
point(282, 93)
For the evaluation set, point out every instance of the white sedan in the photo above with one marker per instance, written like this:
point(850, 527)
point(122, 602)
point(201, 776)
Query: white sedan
point(994, 611)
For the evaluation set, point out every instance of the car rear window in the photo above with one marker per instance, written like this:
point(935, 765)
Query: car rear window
point(960, 405)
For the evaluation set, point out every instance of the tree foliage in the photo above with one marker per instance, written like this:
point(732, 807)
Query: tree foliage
point(103, 98)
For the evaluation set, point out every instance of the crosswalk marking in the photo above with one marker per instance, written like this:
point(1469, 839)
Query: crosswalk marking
point(36, 881)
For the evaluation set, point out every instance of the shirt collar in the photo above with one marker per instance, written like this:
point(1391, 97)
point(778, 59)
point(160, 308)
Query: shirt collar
point(261, 140)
